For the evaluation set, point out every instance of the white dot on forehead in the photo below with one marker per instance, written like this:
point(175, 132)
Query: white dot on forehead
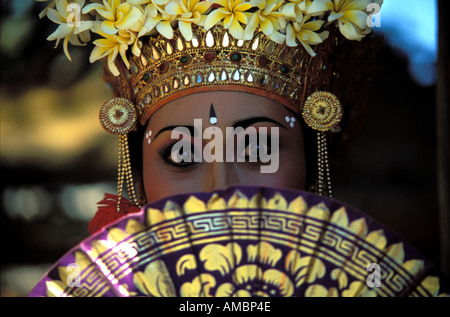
point(213, 120)
point(212, 115)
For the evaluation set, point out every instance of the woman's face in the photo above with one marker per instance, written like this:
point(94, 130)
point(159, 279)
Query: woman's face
point(252, 141)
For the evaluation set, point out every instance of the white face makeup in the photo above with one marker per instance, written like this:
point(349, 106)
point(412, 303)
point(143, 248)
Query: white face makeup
point(148, 136)
point(291, 121)
point(253, 120)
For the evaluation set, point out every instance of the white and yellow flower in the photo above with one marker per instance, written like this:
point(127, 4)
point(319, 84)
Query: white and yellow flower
point(72, 28)
point(112, 45)
point(43, 13)
point(351, 16)
point(232, 13)
point(305, 31)
point(188, 12)
point(122, 22)
point(313, 8)
point(157, 18)
point(117, 15)
point(268, 19)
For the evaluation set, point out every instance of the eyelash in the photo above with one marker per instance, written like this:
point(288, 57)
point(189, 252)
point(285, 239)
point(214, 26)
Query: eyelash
point(166, 154)
point(258, 145)
point(167, 157)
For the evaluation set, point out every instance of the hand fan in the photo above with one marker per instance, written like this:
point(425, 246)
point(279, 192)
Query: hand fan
point(243, 241)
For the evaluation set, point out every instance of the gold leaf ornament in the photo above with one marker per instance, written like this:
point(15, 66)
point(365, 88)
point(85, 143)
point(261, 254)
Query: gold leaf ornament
point(322, 111)
point(118, 116)
point(155, 280)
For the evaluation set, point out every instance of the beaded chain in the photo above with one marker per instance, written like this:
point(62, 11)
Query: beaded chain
point(324, 178)
point(124, 172)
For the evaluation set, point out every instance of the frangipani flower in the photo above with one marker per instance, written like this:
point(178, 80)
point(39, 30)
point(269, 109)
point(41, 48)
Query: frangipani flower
point(188, 12)
point(268, 19)
point(308, 7)
point(305, 33)
point(113, 44)
point(156, 17)
point(117, 16)
point(122, 22)
point(351, 16)
point(50, 5)
point(232, 12)
point(71, 28)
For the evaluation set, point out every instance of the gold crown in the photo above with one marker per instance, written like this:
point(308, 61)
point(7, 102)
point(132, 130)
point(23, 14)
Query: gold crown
point(213, 60)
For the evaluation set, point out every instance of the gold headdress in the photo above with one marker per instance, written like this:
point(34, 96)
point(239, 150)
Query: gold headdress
point(155, 51)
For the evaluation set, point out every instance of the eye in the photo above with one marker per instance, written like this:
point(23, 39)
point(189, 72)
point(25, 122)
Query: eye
point(180, 155)
point(255, 148)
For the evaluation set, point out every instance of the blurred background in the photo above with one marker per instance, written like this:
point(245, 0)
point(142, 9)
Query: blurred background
point(57, 162)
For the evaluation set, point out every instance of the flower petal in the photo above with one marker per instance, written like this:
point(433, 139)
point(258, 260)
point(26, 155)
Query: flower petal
point(61, 32)
point(244, 6)
point(334, 16)
point(313, 25)
point(213, 18)
point(98, 53)
point(277, 37)
point(174, 8)
point(165, 29)
point(319, 6)
point(358, 5)
point(66, 48)
point(185, 29)
point(54, 16)
point(308, 48)
point(241, 17)
point(357, 17)
point(348, 30)
point(290, 36)
point(228, 20)
point(109, 28)
point(251, 27)
point(236, 30)
point(202, 7)
point(84, 26)
point(266, 27)
point(288, 10)
point(130, 19)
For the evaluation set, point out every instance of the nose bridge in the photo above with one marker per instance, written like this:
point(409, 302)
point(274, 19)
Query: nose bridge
point(220, 175)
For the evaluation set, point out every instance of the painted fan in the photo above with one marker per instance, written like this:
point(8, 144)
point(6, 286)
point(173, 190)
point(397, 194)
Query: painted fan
point(243, 241)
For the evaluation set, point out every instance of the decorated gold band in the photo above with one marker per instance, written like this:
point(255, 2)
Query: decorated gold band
point(214, 60)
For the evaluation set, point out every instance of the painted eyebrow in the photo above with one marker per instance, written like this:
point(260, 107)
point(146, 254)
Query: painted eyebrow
point(243, 123)
point(250, 121)
point(173, 127)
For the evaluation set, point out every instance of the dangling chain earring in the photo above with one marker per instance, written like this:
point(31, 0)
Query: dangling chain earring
point(323, 166)
point(322, 112)
point(118, 116)
point(124, 172)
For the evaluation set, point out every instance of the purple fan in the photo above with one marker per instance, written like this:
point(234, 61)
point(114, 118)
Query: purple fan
point(243, 241)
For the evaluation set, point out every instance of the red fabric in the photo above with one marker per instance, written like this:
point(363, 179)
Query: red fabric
point(107, 211)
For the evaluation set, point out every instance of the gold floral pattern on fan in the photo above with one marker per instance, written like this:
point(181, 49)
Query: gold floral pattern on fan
point(246, 245)
point(225, 259)
point(275, 281)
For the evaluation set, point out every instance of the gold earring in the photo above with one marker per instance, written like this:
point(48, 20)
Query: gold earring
point(118, 116)
point(322, 112)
